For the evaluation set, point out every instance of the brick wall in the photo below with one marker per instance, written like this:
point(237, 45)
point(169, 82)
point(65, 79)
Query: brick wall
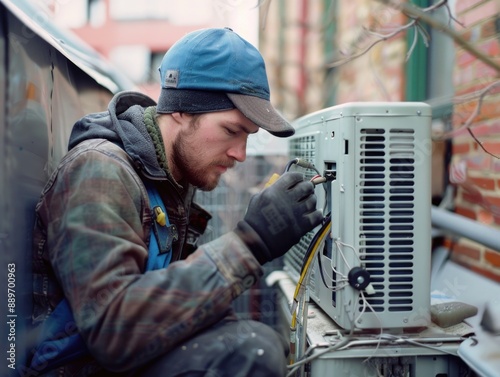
point(475, 170)
point(378, 74)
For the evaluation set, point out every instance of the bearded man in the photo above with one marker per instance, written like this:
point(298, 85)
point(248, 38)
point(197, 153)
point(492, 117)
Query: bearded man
point(94, 223)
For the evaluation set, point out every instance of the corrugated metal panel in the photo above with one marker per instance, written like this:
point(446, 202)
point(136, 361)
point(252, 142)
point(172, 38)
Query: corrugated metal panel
point(68, 44)
point(45, 86)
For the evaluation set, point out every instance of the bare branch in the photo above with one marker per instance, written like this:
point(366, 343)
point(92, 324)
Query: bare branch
point(477, 110)
point(417, 13)
point(481, 144)
point(381, 38)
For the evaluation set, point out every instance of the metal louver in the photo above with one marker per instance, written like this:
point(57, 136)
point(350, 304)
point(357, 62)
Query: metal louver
point(387, 202)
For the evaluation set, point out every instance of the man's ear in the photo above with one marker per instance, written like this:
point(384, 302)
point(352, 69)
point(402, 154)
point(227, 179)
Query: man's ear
point(177, 117)
point(181, 118)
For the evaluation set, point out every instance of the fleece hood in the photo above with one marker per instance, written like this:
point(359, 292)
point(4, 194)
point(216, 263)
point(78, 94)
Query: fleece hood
point(123, 125)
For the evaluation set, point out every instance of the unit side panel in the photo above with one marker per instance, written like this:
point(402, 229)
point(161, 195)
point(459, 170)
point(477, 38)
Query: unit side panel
point(392, 208)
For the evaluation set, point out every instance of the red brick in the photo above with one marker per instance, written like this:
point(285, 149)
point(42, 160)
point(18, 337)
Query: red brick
point(467, 251)
point(485, 129)
point(465, 58)
point(467, 75)
point(485, 217)
point(461, 133)
point(487, 112)
point(465, 110)
point(493, 200)
point(488, 29)
point(484, 70)
point(469, 87)
point(473, 265)
point(492, 147)
point(488, 47)
point(492, 257)
point(484, 183)
point(476, 14)
point(472, 198)
point(463, 211)
point(496, 219)
point(448, 243)
point(496, 166)
point(479, 162)
point(462, 148)
point(463, 5)
point(490, 274)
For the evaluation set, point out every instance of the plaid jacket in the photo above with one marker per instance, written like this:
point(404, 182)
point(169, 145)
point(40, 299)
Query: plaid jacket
point(90, 245)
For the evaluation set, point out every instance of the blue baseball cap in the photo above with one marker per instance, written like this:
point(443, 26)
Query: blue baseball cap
point(213, 70)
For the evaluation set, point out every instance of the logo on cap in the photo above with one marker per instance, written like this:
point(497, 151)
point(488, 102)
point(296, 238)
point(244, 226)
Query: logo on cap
point(171, 78)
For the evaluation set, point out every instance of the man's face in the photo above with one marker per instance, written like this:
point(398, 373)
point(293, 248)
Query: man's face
point(209, 145)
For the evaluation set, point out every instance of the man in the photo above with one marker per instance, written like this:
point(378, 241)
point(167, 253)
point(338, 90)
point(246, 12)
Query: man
point(94, 221)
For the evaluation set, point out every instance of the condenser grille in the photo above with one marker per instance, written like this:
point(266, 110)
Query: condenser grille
point(386, 212)
point(303, 148)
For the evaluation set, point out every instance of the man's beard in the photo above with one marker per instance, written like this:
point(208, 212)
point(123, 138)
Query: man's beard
point(193, 170)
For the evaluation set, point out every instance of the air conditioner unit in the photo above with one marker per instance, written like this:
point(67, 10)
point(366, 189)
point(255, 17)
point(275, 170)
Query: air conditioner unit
point(380, 205)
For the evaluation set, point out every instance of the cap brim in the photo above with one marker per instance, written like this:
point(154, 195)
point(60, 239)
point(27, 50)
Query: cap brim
point(262, 113)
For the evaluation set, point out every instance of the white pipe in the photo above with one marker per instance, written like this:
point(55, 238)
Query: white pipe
point(464, 227)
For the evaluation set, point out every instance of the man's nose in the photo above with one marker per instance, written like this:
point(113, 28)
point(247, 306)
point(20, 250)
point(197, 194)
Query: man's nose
point(238, 152)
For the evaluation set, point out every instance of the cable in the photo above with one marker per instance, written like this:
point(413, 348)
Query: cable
point(365, 304)
point(289, 164)
point(414, 342)
point(322, 273)
point(308, 258)
point(318, 179)
point(302, 163)
point(306, 359)
point(352, 341)
point(319, 234)
point(338, 243)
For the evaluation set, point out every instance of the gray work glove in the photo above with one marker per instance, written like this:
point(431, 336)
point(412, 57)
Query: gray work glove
point(279, 216)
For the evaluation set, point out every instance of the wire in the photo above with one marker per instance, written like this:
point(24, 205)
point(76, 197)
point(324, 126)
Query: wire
point(322, 272)
point(314, 246)
point(367, 304)
point(302, 163)
point(338, 243)
point(414, 342)
point(289, 164)
point(349, 341)
point(318, 179)
point(316, 238)
point(306, 359)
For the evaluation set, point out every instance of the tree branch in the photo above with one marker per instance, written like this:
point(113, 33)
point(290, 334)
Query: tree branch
point(416, 13)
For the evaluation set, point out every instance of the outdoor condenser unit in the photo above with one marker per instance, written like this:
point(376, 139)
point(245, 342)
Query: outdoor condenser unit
point(380, 203)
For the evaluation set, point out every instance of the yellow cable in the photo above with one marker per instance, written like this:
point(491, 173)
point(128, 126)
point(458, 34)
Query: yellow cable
point(298, 288)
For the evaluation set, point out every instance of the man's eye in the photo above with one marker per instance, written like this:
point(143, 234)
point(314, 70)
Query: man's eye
point(230, 131)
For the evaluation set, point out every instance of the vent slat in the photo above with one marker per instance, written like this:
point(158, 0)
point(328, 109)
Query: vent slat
point(387, 184)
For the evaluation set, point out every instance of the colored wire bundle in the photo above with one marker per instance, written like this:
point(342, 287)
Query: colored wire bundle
point(314, 246)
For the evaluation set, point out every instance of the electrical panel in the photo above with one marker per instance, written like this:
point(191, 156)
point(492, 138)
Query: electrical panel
point(378, 158)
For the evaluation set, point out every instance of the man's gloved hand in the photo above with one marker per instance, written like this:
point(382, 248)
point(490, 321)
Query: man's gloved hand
point(279, 216)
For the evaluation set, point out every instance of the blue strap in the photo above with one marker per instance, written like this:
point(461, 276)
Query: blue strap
point(60, 342)
point(162, 236)
point(63, 341)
